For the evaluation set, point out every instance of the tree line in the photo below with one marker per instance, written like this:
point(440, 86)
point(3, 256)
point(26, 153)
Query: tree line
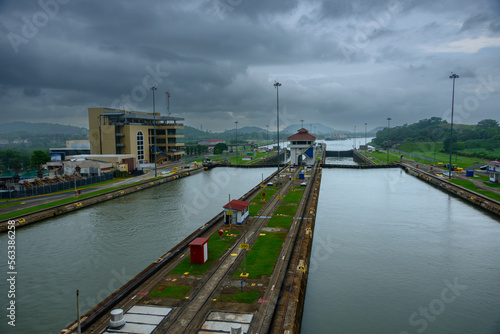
point(482, 139)
point(17, 161)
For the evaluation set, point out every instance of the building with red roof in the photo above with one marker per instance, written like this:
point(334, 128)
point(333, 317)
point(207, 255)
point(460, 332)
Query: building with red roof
point(236, 212)
point(302, 147)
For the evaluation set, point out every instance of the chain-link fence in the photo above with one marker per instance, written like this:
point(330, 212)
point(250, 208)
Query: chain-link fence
point(47, 188)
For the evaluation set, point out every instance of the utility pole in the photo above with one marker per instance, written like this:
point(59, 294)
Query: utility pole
point(167, 93)
point(388, 140)
point(277, 85)
point(452, 76)
point(154, 128)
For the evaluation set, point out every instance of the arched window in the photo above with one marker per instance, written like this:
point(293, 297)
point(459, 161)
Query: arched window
point(140, 145)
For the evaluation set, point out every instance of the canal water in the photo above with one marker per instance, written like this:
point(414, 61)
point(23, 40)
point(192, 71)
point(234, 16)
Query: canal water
point(98, 249)
point(392, 254)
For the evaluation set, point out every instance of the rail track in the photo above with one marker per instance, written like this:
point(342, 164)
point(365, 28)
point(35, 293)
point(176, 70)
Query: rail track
point(188, 317)
point(95, 321)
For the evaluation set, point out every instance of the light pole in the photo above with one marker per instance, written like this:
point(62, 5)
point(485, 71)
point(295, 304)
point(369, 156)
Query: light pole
point(452, 76)
point(354, 137)
point(154, 128)
point(277, 85)
point(267, 127)
point(236, 141)
point(365, 133)
point(388, 140)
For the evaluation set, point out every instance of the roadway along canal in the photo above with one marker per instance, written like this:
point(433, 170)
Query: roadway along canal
point(392, 254)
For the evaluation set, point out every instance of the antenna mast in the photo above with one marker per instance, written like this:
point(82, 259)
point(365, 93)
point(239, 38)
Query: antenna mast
point(167, 93)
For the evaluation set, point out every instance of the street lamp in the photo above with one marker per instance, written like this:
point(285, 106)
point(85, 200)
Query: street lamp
point(365, 133)
point(277, 85)
point(354, 137)
point(452, 76)
point(154, 128)
point(267, 127)
point(388, 140)
point(236, 141)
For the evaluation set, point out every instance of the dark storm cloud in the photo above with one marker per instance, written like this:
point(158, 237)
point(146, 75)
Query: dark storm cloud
point(339, 61)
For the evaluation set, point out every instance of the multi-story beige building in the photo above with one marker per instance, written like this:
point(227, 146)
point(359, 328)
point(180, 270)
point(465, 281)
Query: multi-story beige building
point(115, 131)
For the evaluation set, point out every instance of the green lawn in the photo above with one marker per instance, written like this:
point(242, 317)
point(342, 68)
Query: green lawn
point(240, 297)
point(216, 247)
point(431, 150)
point(254, 209)
point(280, 221)
point(170, 291)
point(262, 257)
point(287, 210)
point(383, 156)
point(293, 196)
point(269, 194)
point(471, 186)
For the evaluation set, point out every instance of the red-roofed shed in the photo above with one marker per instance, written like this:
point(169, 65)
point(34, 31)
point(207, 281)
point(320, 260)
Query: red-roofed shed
point(199, 250)
point(236, 212)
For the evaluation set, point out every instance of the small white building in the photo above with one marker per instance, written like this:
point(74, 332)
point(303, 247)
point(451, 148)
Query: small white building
point(494, 171)
point(236, 212)
point(303, 148)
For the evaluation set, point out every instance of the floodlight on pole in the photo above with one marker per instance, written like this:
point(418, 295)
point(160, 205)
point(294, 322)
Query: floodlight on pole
point(236, 141)
point(452, 76)
point(154, 129)
point(277, 85)
point(388, 140)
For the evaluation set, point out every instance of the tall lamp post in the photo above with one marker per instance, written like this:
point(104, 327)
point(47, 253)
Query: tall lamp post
point(154, 128)
point(267, 127)
point(365, 132)
point(452, 76)
point(354, 137)
point(277, 85)
point(388, 140)
point(236, 141)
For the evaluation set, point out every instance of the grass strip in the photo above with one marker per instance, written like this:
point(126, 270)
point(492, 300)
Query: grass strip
point(287, 210)
point(280, 221)
point(471, 186)
point(254, 209)
point(262, 257)
point(269, 195)
point(293, 196)
point(170, 291)
point(247, 297)
point(216, 247)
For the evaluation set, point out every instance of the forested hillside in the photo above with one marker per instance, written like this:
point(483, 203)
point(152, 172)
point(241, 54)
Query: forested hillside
point(481, 140)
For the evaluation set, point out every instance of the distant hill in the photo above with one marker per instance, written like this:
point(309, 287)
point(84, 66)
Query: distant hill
point(245, 129)
point(316, 129)
point(41, 128)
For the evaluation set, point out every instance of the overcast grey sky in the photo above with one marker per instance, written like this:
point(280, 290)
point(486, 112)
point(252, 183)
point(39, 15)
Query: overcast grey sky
point(342, 63)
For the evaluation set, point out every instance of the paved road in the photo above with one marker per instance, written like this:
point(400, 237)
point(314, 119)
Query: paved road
point(29, 202)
